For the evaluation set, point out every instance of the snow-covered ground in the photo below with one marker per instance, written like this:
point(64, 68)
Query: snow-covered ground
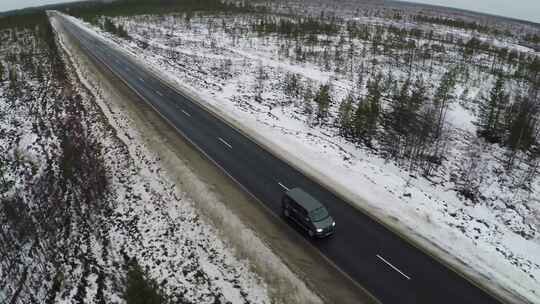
point(496, 240)
point(83, 200)
point(192, 262)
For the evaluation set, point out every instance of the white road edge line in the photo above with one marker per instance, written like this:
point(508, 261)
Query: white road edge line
point(393, 267)
point(283, 186)
point(224, 142)
point(187, 114)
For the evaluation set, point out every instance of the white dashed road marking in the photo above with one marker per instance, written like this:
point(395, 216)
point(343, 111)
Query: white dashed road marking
point(187, 114)
point(283, 186)
point(393, 267)
point(224, 142)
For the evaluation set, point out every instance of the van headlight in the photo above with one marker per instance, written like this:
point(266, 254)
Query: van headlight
point(319, 230)
point(333, 224)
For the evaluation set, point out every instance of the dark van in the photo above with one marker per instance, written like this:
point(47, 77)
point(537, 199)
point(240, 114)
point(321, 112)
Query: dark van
point(307, 212)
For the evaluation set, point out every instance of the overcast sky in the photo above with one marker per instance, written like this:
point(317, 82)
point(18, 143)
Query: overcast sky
point(8, 5)
point(521, 9)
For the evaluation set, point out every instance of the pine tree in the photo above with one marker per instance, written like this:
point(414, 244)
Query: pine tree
point(260, 83)
point(361, 71)
point(13, 79)
point(308, 98)
point(109, 26)
point(367, 113)
point(408, 124)
point(441, 102)
point(361, 125)
point(534, 78)
point(389, 83)
point(323, 101)
point(490, 113)
point(345, 117)
point(443, 98)
point(423, 125)
point(418, 95)
point(326, 59)
point(291, 87)
point(2, 72)
point(396, 121)
point(121, 32)
point(39, 72)
point(522, 124)
point(400, 108)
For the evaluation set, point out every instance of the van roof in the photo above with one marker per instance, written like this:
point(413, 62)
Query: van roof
point(304, 198)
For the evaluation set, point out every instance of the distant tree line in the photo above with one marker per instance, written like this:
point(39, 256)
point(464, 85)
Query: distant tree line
point(294, 28)
point(533, 38)
point(457, 23)
point(139, 7)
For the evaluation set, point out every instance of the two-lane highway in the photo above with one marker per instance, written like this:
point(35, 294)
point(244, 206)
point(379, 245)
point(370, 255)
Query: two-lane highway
point(373, 256)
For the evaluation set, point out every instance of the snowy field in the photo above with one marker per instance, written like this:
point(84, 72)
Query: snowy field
point(496, 240)
point(181, 250)
point(84, 201)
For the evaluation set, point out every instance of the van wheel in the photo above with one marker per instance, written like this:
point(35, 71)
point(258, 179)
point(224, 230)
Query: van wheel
point(311, 233)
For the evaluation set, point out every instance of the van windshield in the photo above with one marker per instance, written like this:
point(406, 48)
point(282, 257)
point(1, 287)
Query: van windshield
point(318, 214)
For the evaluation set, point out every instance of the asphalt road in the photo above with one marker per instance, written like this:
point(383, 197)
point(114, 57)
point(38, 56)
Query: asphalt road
point(376, 258)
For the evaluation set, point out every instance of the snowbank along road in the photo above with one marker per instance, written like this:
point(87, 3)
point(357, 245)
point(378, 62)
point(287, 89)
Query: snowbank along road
point(393, 270)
